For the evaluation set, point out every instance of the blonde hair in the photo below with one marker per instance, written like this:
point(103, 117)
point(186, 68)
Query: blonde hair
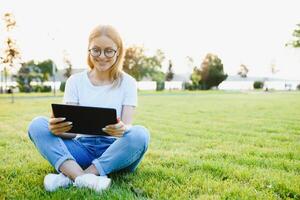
point(115, 71)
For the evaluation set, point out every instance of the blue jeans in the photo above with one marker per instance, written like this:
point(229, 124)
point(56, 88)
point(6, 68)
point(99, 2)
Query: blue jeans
point(107, 154)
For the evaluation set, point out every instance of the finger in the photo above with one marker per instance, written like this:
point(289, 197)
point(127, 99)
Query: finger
point(115, 129)
point(56, 120)
point(115, 133)
point(120, 123)
point(59, 131)
point(62, 128)
point(60, 125)
point(115, 126)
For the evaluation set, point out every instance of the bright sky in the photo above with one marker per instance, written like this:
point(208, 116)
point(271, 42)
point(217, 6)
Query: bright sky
point(250, 32)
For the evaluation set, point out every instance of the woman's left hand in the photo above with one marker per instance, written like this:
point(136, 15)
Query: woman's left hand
point(116, 130)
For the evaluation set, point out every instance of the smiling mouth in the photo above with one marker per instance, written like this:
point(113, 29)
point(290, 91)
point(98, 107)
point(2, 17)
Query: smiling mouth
point(102, 63)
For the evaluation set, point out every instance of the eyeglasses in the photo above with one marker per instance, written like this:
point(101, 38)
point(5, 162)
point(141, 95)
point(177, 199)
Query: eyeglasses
point(108, 52)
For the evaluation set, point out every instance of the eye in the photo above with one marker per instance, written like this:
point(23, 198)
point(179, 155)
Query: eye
point(109, 50)
point(95, 49)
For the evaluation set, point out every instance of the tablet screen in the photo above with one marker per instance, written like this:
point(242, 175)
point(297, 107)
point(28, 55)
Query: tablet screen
point(86, 120)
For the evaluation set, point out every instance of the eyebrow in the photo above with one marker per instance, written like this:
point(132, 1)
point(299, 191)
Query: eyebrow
point(110, 47)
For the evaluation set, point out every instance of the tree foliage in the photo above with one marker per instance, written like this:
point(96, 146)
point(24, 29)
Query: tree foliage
point(68, 64)
point(210, 74)
point(32, 71)
point(170, 73)
point(296, 42)
point(139, 65)
point(243, 71)
point(11, 54)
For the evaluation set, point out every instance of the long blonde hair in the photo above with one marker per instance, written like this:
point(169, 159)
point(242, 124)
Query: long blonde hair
point(115, 71)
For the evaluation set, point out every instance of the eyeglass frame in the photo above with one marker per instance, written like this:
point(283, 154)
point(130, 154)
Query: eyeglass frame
point(100, 50)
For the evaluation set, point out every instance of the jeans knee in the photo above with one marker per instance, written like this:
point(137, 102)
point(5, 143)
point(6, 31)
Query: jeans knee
point(139, 136)
point(37, 126)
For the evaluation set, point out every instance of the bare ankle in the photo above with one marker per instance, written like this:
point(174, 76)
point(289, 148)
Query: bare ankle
point(91, 170)
point(71, 169)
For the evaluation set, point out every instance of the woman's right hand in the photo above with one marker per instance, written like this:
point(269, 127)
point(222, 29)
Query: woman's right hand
point(57, 127)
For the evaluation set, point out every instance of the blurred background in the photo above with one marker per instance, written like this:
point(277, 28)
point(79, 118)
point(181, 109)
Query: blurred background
point(171, 45)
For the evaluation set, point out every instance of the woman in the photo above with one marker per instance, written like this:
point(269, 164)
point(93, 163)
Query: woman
point(86, 160)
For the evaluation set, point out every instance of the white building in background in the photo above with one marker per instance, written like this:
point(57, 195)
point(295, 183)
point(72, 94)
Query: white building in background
point(146, 85)
point(173, 85)
point(281, 85)
point(238, 83)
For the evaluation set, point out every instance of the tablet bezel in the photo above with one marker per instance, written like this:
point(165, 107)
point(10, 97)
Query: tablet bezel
point(85, 119)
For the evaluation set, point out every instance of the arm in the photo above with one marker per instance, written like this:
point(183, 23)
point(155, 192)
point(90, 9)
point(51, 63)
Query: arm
point(127, 115)
point(124, 124)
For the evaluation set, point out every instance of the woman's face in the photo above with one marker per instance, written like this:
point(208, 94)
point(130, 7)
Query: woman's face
point(103, 53)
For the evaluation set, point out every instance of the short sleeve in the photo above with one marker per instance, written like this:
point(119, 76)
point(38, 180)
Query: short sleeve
point(71, 92)
point(130, 93)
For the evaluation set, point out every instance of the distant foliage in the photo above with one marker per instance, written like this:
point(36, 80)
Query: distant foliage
point(210, 74)
point(62, 86)
point(170, 73)
point(296, 42)
point(243, 71)
point(68, 64)
point(298, 87)
point(10, 57)
point(32, 71)
point(139, 65)
point(258, 85)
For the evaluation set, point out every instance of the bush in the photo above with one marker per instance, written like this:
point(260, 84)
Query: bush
point(298, 87)
point(46, 88)
point(191, 86)
point(258, 85)
point(160, 85)
point(62, 86)
point(41, 88)
point(25, 88)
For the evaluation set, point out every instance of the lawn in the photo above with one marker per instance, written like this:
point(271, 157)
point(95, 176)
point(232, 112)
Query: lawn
point(204, 145)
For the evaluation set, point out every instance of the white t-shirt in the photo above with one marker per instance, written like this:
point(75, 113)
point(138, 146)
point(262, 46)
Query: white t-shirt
point(81, 91)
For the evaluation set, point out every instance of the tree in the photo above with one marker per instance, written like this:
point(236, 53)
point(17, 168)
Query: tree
point(170, 73)
point(296, 42)
point(34, 71)
point(11, 55)
point(69, 65)
point(68, 71)
point(26, 74)
point(196, 78)
point(46, 70)
point(137, 64)
point(243, 71)
point(212, 73)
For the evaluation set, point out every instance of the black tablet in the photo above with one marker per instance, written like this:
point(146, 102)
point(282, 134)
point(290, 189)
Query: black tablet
point(86, 120)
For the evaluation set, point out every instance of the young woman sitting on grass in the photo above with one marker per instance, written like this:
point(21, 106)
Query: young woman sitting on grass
point(86, 160)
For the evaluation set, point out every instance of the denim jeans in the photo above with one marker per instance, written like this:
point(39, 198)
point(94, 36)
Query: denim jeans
point(107, 154)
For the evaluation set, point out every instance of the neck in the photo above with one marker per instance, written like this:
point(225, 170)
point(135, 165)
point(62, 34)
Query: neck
point(99, 78)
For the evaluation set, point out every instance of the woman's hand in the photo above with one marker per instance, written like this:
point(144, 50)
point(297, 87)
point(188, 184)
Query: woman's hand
point(57, 127)
point(117, 129)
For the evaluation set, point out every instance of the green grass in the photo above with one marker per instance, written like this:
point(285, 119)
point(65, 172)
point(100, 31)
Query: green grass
point(204, 145)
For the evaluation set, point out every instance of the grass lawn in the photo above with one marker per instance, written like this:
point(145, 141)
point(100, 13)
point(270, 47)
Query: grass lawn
point(204, 145)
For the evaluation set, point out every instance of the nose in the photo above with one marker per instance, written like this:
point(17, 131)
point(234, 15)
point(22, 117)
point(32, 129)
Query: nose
point(102, 56)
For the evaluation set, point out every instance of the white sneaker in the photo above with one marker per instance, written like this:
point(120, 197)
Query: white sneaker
point(55, 181)
point(91, 181)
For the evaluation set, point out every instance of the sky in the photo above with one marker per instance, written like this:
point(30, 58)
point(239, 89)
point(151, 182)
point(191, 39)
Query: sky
point(249, 32)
